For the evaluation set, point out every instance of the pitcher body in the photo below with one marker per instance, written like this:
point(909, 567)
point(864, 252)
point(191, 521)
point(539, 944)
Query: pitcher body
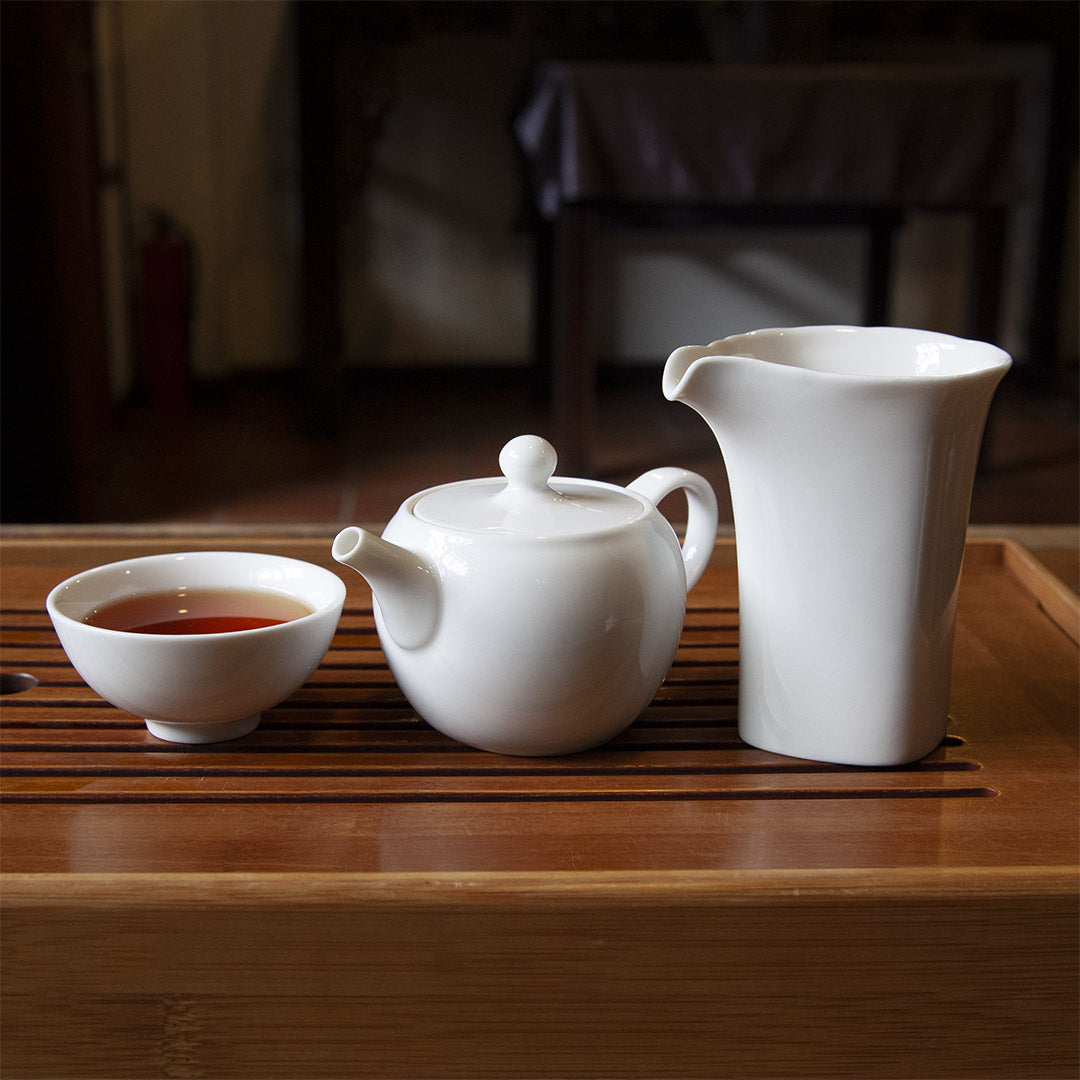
point(851, 455)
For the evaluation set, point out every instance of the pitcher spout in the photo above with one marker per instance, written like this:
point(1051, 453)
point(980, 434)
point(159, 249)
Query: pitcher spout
point(683, 370)
point(717, 381)
point(403, 583)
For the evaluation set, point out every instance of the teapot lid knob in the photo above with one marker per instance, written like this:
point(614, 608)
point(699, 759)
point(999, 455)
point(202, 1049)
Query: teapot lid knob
point(528, 461)
point(528, 500)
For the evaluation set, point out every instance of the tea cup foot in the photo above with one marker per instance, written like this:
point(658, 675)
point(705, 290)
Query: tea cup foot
point(217, 731)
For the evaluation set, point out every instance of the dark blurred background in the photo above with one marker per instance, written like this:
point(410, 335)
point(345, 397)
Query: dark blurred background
point(272, 261)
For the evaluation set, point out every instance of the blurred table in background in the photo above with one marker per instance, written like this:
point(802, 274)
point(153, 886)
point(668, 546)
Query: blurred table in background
point(767, 145)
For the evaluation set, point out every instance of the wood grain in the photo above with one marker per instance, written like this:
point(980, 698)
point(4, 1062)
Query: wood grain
point(348, 893)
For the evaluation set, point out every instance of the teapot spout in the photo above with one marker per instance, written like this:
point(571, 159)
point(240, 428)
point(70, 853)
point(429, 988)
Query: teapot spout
point(404, 584)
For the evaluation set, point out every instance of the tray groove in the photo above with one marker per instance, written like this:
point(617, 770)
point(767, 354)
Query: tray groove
point(692, 716)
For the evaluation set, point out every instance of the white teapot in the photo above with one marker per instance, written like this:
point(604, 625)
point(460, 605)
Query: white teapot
point(530, 614)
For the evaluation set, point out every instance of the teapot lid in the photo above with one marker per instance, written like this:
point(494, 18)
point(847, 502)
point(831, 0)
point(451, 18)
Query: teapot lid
point(527, 500)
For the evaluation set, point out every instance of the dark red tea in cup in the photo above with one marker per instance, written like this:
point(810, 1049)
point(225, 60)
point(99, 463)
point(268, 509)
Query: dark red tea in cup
point(198, 611)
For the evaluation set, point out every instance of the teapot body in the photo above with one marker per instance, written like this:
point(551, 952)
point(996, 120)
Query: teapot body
point(542, 645)
point(532, 614)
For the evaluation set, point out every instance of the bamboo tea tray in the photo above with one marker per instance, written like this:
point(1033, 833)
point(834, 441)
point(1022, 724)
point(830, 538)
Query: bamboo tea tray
point(345, 892)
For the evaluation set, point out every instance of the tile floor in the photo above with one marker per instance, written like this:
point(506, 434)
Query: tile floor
point(238, 456)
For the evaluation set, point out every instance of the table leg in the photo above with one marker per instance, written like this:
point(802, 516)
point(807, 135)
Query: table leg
point(573, 364)
point(320, 335)
point(877, 287)
point(983, 313)
point(987, 263)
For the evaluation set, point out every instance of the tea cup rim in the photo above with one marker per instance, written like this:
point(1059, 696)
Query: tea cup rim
point(55, 599)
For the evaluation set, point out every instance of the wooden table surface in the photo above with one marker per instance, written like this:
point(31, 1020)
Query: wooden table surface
point(346, 892)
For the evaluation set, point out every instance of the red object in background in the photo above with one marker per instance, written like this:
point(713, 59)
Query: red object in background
point(166, 285)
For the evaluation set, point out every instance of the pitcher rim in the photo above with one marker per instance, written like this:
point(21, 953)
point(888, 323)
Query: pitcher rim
point(995, 361)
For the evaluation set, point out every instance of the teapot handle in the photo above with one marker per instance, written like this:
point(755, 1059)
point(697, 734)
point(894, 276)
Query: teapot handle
point(702, 514)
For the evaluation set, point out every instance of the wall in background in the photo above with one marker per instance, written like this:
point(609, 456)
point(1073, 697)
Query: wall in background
point(437, 264)
point(201, 97)
point(437, 267)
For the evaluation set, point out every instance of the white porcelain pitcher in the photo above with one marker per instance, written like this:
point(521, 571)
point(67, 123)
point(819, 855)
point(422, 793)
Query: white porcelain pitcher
point(851, 453)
